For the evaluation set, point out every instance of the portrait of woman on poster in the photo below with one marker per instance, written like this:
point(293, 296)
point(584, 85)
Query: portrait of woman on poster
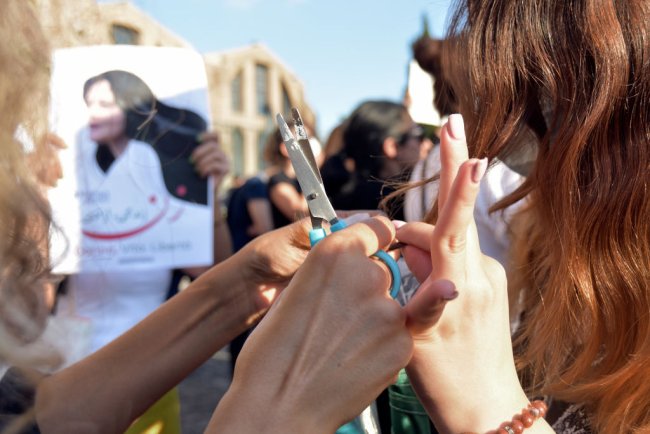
point(134, 141)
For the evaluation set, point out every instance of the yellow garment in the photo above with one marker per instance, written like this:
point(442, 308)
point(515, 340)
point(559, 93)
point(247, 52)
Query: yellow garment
point(164, 417)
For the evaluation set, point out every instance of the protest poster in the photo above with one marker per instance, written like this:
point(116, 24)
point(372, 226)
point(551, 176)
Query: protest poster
point(129, 198)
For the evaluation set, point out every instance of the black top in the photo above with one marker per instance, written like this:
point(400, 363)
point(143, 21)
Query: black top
point(279, 219)
point(334, 175)
point(16, 399)
point(365, 193)
point(238, 218)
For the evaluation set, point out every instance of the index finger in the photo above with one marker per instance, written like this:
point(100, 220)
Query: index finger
point(450, 236)
point(367, 236)
point(453, 152)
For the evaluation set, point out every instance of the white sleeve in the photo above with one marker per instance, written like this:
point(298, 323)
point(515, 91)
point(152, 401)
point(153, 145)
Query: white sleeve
point(493, 230)
point(417, 201)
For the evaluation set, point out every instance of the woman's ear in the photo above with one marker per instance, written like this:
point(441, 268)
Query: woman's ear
point(390, 147)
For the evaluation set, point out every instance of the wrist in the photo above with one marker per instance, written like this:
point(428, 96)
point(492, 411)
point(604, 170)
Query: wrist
point(263, 275)
point(224, 290)
point(486, 416)
point(513, 415)
point(525, 419)
point(254, 410)
point(530, 420)
point(248, 266)
point(476, 401)
point(489, 416)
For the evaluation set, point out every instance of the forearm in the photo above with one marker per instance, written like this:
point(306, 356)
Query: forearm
point(109, 389)
point(259, 211)
point(290, 203)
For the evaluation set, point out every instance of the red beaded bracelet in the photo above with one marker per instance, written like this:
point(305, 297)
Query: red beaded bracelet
point(525, 419)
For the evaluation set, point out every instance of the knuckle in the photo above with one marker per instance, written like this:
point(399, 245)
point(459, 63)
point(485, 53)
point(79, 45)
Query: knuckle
point(393, 314)
point(455, 243)
point(331, 251)
point(326, 256)
point(332, 245)
point(377, 274)
point(382, 219)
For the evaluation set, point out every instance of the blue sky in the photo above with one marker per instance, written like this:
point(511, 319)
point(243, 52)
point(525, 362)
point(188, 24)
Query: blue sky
point(344, 51)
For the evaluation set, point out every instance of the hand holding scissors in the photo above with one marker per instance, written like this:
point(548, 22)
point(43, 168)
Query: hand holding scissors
point(311, 183)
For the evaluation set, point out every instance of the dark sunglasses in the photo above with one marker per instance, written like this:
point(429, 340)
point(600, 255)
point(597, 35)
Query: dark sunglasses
point(415, 132)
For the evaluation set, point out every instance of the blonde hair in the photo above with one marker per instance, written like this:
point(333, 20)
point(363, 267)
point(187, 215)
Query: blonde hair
point(24, 213)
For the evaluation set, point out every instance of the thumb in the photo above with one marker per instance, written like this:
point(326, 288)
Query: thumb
point(425, 308)
point(418, 261)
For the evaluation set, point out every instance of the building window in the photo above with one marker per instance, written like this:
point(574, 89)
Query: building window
point(262, 89)
point(236, 93)
point(261, 145)
point(286, 101)
point(237, 152)
point(123, 35)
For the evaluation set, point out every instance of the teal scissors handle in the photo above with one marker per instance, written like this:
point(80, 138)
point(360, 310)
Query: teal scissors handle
point(315, 235)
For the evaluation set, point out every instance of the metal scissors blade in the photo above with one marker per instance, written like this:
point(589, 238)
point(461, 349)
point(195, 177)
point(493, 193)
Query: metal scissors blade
point(304, 164)
point(303, 141)
point(311, 183)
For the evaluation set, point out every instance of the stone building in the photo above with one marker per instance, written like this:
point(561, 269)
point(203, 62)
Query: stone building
point(71, 23)
point(246, 86)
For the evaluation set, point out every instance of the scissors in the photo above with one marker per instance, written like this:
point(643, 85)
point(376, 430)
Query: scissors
point(311, 183)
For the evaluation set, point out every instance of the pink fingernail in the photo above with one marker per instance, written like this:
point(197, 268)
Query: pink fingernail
point(398, 223)
point(451, 296)
point(479, 170)
point(448, 290)
point(456, 126)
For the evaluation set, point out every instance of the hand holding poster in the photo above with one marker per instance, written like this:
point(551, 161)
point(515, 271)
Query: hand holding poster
point(130, 197)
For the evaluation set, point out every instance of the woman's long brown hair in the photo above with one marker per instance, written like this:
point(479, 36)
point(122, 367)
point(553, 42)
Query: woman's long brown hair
point(574, 77)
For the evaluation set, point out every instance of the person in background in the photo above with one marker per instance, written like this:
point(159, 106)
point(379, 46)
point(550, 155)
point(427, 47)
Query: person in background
point(132, 143)
point(248, 216)
point(503, 178)
point(287, 201)
point(383, 143)
point(428, 53)
point(249, 211)
point(337, 168)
